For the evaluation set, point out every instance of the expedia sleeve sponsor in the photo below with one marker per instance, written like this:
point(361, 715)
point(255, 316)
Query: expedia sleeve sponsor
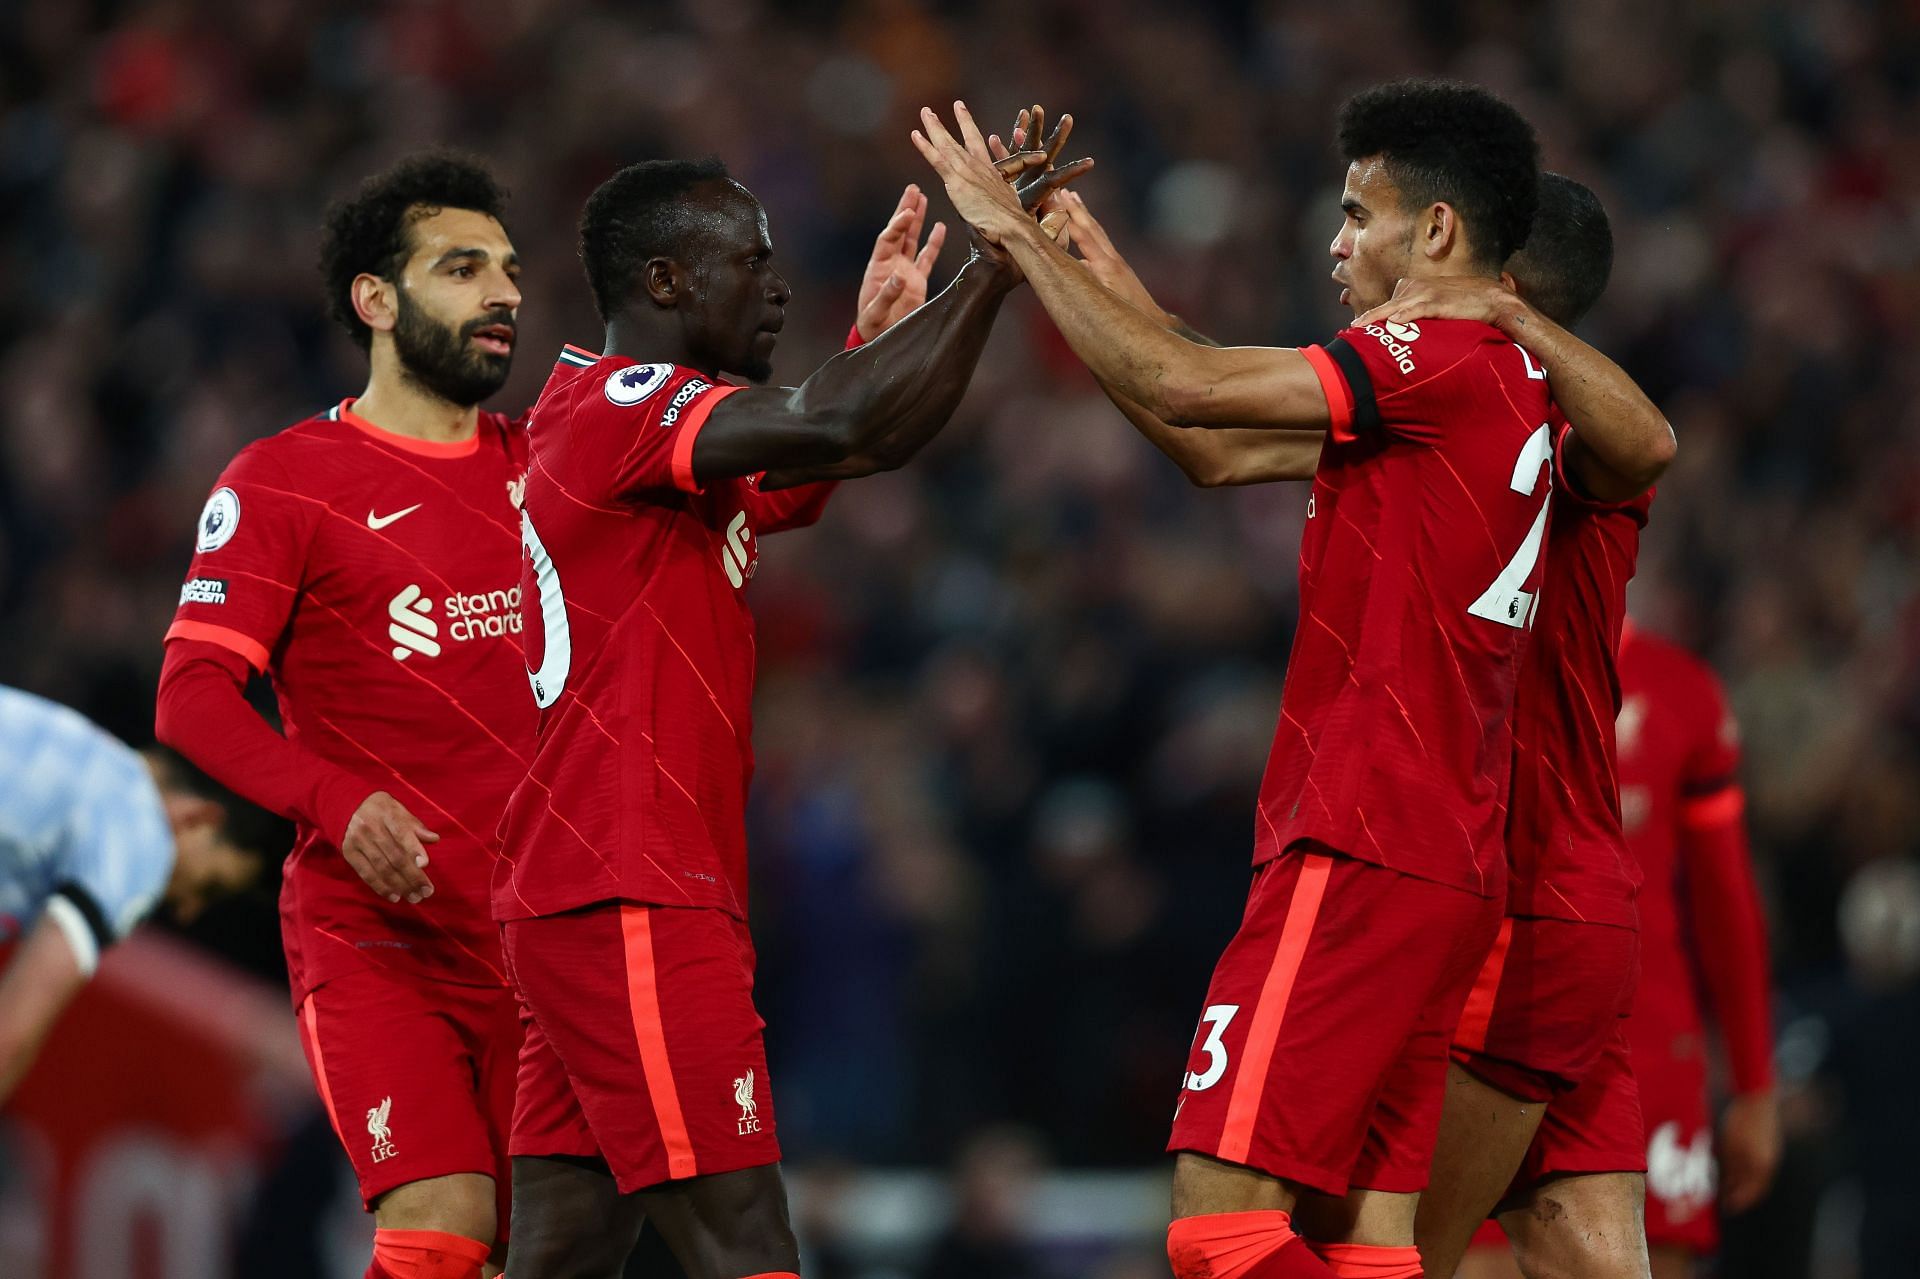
point(204, 590)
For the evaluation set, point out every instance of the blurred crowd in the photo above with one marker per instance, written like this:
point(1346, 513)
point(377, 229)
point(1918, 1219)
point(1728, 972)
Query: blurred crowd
point(1015, 699)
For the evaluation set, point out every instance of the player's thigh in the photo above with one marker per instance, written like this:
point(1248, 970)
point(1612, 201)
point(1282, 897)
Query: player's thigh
point(398, 1079)
point(572, 1222)
point(1580, 1227)
point(1310, 1007)
point(649, 1015)
point(726, 1225)
point(1484, 1136)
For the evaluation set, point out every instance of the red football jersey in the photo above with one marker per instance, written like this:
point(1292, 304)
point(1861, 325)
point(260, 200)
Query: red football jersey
point(1679, 769)
point(640, 646)
point(1418, 568)
point(375, 578)
point(1566, 853)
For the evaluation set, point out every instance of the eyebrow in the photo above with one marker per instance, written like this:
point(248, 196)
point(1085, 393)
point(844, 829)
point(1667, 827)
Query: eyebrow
point(477, 254)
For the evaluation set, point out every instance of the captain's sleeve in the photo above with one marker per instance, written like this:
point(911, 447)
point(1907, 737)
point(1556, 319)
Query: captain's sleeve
point(250, 555)
point(1394, 381)
point(641, 423)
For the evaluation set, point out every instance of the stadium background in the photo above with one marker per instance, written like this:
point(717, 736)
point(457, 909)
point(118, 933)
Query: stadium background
point(1015, 699)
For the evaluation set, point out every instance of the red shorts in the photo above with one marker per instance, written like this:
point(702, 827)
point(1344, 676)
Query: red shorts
point(1321, 1058)
point(1682, 1174)
point(416, 1075)
point(1550, 995)
point(643, 1045)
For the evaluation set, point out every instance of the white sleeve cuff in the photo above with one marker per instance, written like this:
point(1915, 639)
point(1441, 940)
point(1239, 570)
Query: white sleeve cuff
point(79, 934)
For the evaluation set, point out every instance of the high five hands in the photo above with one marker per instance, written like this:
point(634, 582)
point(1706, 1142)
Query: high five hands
point(997, 193)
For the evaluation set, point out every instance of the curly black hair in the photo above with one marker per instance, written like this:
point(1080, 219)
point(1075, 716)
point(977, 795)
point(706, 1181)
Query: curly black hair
point(369, 233)
point(1452, 142)
point(639, 214)
point(1564, 265)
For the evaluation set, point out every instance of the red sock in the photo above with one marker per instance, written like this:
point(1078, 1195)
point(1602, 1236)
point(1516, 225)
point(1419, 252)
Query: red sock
point(1241, 1245)
point(425, 1254)
point(765, 1274)
point(1364, 1261)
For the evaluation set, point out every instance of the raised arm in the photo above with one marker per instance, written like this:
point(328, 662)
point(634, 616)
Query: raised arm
point(1211, 457)
point(1621, 441)
point(1177, 380)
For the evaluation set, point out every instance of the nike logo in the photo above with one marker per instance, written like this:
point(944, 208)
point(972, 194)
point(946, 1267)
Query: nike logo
point(381, 521)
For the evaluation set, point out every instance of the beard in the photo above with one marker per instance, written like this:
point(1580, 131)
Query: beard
point(441, 358)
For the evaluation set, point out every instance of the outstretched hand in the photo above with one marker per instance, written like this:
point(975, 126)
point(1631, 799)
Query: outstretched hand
point(1450, 298)
point(895, 283)
point(983, 191)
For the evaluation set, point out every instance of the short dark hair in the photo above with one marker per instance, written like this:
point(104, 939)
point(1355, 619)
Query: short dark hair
point(246, 825)
point(1457, 143)
point(369, 232)
point(634, 216)
point(1564, 265)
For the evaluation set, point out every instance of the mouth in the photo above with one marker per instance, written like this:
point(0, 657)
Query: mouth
point(496, 339)
point(1346, 293)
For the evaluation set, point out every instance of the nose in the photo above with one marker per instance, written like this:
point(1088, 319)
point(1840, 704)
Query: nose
point(504, 293)
point(1342, 246)
point(777, 291)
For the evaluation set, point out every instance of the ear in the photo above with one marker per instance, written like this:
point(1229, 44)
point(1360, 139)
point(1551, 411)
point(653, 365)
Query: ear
point(662, 280)
point(1441, 233)
point(376, 301)
point(1507, 280)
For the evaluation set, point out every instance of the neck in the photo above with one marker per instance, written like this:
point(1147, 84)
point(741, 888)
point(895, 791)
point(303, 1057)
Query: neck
point(395, 401)
point(648, 338)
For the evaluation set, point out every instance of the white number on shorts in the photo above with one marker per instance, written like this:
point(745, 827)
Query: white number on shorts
point(1216, 1018)
point(557, 660)
point(1504, 602)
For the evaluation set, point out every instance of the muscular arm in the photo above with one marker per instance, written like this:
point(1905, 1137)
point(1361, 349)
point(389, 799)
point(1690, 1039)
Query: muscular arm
point(1621, 441)
point(36, 988)
point(1216, 457)
point(867, 409)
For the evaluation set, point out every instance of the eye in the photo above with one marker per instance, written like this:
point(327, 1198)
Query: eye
point(463, 272)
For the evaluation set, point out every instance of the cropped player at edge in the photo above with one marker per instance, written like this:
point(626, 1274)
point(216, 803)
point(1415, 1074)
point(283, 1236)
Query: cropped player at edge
point(93, 835)
point(1563, 729)
point(622, 888)
point(1316, 1080)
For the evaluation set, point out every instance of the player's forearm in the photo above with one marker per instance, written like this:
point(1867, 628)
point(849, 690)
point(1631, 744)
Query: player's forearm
point(907, 382)
point(203, 713)
point(1216, 457)
point(36, 988)
point(1179, 381)
point(1730, 934)
point(1626, 442)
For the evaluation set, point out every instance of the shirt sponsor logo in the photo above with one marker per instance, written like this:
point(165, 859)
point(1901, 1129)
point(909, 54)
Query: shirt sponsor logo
point(218, 520)
point(749, 1109)
point(738, 554)
point(414, 629)
point(380, 1131)
point(204, 590)
point(1394, 337)
point(681, 399)
point(627, 387)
